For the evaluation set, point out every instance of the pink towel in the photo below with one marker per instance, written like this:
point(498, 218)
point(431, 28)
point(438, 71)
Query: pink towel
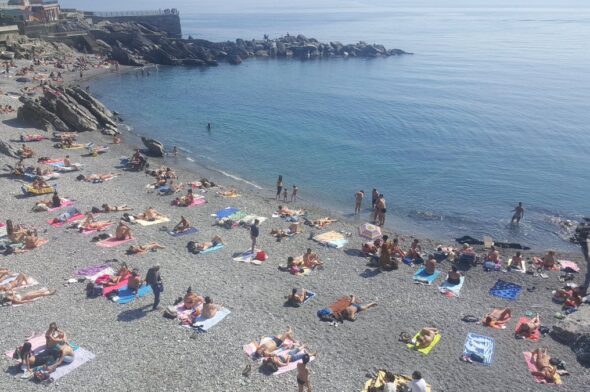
point(72, 219)
point(197, 201)
point(112, 242)
point(2, 225)
point(50, 161)
point(37, 345)
point(64, 203)
point(533, 368)
point(535, 336)
point(568, 264)
point(109, 289)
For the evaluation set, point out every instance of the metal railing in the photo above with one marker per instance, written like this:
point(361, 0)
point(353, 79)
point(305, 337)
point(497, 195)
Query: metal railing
point(120, 14)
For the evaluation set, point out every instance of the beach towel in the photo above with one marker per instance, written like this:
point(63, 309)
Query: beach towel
point(249, 257)
point(506, 290)
point(479, 348)
point(29, 190)
point(190, 230)
point(212, 249)
point(154, 222)
point(106, 290)
point(30, 282)
point(207, 324)
point(66, 169)
point(197, 201)
point(535, 336)
point(332, 239)
point(112, 242)
point(528, 358)
point(226, 212)
point(290, 366)
point(425, 350)
point(125, 295)
point(566, 264)
point(421, 277)
point(64, 203)
point(81, 356)
point(451, 290)
point(54, 162)
point(379, 381)
point(308, 296)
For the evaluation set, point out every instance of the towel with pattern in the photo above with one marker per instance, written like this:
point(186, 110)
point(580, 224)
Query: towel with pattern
point(506, 290)
point(479, 348)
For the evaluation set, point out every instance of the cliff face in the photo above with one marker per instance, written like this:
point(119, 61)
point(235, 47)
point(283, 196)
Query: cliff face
point(132, 43)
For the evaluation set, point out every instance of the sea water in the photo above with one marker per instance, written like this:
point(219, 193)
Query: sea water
point(492, 109)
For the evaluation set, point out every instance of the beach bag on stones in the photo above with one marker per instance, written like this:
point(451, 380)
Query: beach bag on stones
point(261, 256)
point(171, 313)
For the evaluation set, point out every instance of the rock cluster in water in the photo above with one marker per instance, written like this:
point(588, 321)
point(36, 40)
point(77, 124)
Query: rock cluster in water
point(134, 44)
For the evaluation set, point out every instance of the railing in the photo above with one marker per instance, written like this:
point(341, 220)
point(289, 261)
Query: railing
point(119, 14)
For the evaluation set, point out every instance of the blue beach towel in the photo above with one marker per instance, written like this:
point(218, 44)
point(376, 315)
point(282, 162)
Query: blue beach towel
point(479, 348)
point(309, 296)
point(211, 249)
point(190, 230)
point(126, 295)
point(226, 212)
point(506, 290)
point(421, 276)
point(454, 289)
point(207, 324)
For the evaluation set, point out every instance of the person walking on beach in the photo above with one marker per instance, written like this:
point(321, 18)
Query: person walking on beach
point(382, 209)
point(358, 200)
point(303, 374)
point(294, 194)
point(518, 213)
point(154, 280)
point(375, 197)
point(254, 232)
point(279, 187)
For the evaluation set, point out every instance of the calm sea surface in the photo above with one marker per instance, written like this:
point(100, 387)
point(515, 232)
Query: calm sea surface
point(493, 108)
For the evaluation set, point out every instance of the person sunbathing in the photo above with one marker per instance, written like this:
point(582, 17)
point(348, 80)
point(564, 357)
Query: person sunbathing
point(396, 251)
point(31, 242)
point(182, 226)
point(493, 255)
point(322, 222)
point(28, 360)
point(186, 200)
point(497, 317)
point(372, 247)
point(25, 152)
point(135, 281)
point(192, 300)
point(11, 298)
point(231, 193)
point(283, 358)
point(143, 249)
point(122, 274)
point(20, 281)
point(297, 296)
point(16, 234)
point(268, 344)
point(425, 337)
point(54, 202)
point(96, 178)
point(385, 256)
point(517, 262)
point(542, 361)
point(54, 336)
point(294, 265)
point(149, 215)
point(108, 208)
point(311, 259)
point(65, 355)
point(210, 309)
point(216, 240)
point(415, 250)
point(548, 261)
point(529, 327)
point(430, 265)
point(350, 313)
point(454, 276)
point(284, 211)
point(39, 184)
point(123, 231)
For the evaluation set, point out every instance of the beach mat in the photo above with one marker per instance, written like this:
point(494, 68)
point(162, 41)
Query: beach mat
point(425, 350)
point(107, 271)
point(309, 296)
point(421, 277)
point(207, 324)
point(451, 290)
point(228, 211)
point(528, 358)
point(64, 203)
point(112, 242)
point(81, 356)
point(150, 223)
point(190, 230)
point(248, 257)
point(506, 290)
point(479, 346)
point(534, 337)
point(90, 270)
point(211, 249)
point(125, 295)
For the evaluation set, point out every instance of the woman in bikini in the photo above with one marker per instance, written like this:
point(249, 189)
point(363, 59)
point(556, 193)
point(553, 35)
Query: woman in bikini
point(425, 337)
point(10, 297)
point(528, 328)
point(122, 274)
point(149, 215)
point(543, 362)
point(143, 249)
point(123, 231)
point(20, 281)
point(108, 208)
point(497, 317)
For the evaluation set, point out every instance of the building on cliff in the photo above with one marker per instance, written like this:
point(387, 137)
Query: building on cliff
point(43, 11)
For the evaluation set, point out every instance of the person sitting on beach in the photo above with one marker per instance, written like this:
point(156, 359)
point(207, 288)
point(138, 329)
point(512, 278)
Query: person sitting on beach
point(497, 318)
point(12, 298)
point(186, 200)
point(143, 249)
point(267, 345)
point(54, 336)
point(454, 276)
point(493, 255)
point(425, 338)
point(121, 275)
point(122, 232)
point(15, 233)
point(192, 300)
point(350, 312)
point(135, 281)
point(21, 280)
point(415, 250)
point(31, 242)
point(25, 152)
point(149, 215)
point(297, 297)
point(529, 327)
point(169, 173)
point(65, 355)
point(385, 261)
point(182, 226)
point(294, 265)
point(396, 250)
point(39, 184)
point(67, 162)
point(466, 254)
point(517, 262)
point(284, 211)
point(210, 309)
point(311, 259)
point(108, 208)
point(430, 265)
point(28, 360)
point(548, 261)
point(43, 205)
point(542, 361)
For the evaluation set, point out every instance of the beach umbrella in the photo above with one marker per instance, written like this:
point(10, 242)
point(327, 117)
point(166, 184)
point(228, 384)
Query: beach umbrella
point(23, 80)
point(369, 231)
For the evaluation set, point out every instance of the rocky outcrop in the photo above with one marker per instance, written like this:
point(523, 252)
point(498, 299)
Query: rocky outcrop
point(154, 147)
point(34, 113)
point(574, 331)
point(133, 43)
point(7, 149)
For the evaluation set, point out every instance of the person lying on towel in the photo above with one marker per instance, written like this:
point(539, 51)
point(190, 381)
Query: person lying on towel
point(143, 249)
point(293, 228)
point(91, 224)
point(283, 358)
point(321, 223)
point(345, 308)
point(231, 193)
point(542, 361)
point(497, 317)
point(149, 215)
point(12, 298)
point(185, 200)
point(122, 274)
point(201, 246)
point(109, 208)
point(31, 242)
point(20, 281)
point(96, 178)
point(424, 338)
point(54, 202)
point(284, 211)
point(268, 344)
point(528, 328)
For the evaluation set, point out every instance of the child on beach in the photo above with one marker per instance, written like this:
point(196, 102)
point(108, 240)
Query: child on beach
point(285, 195)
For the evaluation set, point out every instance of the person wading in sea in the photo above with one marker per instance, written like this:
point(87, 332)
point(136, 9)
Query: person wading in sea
point(358, 201)
point(518, 213)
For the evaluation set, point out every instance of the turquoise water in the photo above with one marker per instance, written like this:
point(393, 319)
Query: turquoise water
point(492, 109)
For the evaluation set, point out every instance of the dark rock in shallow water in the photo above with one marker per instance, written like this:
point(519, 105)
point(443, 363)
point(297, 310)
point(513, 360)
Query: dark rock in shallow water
point(154, 147)
point(235, 59)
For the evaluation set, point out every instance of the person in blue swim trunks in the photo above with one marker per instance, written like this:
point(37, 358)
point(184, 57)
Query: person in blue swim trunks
point(268, 344)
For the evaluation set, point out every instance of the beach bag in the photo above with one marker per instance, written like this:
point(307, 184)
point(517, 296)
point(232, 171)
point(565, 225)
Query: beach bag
point(261, 256)
point(325, 315)
point(171, 313)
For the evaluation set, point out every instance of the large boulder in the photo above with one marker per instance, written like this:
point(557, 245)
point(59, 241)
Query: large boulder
point(35, 114)
point(76, 116)
point(574, 331)
point(154, 147)
point(95, 107)
point(8, 149)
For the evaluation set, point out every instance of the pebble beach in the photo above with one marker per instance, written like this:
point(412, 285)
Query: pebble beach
point(138, 349)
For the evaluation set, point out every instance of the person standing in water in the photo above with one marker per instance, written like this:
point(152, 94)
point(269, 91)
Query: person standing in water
point(375, 197)
point(358, 200)
point(294, 194)
point(279, 187)
point(209, 127)
point(518, 213)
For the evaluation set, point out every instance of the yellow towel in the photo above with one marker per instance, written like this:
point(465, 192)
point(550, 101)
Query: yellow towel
point(425, 350)
point(149, 223)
